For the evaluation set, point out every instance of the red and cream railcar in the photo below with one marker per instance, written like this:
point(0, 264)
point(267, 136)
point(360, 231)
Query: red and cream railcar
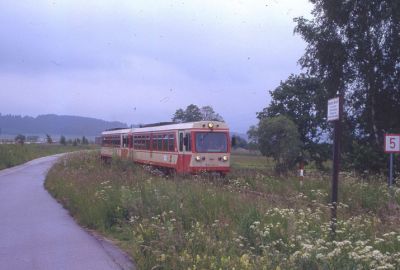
point(184, 148)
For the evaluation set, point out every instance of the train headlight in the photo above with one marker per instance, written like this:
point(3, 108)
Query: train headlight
point(210, 125)
point(198, 158)
point(225, 158)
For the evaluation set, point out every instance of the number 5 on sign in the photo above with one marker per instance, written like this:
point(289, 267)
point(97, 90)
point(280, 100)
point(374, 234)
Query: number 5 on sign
point(392, 143)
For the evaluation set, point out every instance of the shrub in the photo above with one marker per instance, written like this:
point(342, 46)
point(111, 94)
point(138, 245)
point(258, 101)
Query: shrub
point(278, 138)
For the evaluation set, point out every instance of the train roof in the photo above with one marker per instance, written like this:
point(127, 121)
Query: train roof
point(113, 129)
point(117, 131)
point(190, 125)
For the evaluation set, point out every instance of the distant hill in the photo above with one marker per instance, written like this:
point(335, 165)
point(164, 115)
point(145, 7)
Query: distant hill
point(55, 124)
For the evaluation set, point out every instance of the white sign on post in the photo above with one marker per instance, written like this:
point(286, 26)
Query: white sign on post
point(333, 109)
point(392, 143)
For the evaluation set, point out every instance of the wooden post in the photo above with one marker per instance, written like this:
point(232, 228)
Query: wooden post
point(336, 164)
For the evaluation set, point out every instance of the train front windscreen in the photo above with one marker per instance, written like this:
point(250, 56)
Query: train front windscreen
point(211, 142)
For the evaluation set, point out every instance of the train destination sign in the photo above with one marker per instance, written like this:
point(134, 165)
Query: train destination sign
point(333, 109)
point(392, 143)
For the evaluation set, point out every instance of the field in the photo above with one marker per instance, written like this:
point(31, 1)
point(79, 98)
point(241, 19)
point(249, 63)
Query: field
point(250, 220)
point(15, 154)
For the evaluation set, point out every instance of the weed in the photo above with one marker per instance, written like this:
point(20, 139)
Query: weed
point(195, 223)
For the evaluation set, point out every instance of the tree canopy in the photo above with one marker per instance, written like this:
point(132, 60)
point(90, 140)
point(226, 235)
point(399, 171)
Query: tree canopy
point(49, 140)
point(278, 138)
point(63, 140)
point(302, 99)
point(20, 139)
point(193, 113)
point(353, 49)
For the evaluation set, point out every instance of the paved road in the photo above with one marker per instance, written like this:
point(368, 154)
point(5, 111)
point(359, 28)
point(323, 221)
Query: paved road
point(37, 233)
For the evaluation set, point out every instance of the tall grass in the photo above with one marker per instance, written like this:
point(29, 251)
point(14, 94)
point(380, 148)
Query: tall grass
point(15, 154)
point(200, 223)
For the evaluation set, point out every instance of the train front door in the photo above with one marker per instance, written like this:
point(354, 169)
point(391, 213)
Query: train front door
point(185, 151)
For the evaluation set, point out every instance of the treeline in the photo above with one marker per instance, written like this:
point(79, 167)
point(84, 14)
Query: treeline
point(353, 50)
point(74, 142)
point(55, 124)
point(21, 139)
point(193, 113)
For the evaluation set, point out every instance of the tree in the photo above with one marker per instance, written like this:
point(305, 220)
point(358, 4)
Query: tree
point(179, 116)
point(353, 47)
point(20, 139)
point(240, 142)
point(252, 134)
point(193, 113)
point(278, 138)
point(63, 141)
point(302, 99)
point(208, 114)
point(49, 140)
point(85, 141)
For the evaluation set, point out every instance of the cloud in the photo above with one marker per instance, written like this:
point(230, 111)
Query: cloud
point(105, 58)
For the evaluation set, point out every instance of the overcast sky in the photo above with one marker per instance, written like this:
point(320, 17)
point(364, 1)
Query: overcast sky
point(138, 61)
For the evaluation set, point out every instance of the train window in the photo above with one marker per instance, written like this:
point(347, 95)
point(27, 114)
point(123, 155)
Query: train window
point(154, 140)
point(116, 140)
point(143, 142)
point(130, 141)
point(159, 142)
point(207, 142)
point(112, 141)
point(171, 143)
point(188, 142)
point(147, 146)
point(165, 142)
point(181, 142)
point(125, 141)
point(136, 142)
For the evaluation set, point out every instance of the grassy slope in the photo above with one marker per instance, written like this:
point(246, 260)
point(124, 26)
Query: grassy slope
point(15, 154)
point(254, 221)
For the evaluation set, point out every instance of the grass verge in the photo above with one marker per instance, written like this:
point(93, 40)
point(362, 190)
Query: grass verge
point(200, 223)
point(15, 154)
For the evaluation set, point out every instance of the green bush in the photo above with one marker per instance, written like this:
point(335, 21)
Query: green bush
point(279, 138)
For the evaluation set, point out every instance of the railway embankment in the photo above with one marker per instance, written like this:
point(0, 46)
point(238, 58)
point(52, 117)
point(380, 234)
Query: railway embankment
point(252, 219)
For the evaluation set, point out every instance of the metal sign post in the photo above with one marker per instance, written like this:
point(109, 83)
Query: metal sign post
point(392, 146)
point(335, 111)
point(391, 170)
